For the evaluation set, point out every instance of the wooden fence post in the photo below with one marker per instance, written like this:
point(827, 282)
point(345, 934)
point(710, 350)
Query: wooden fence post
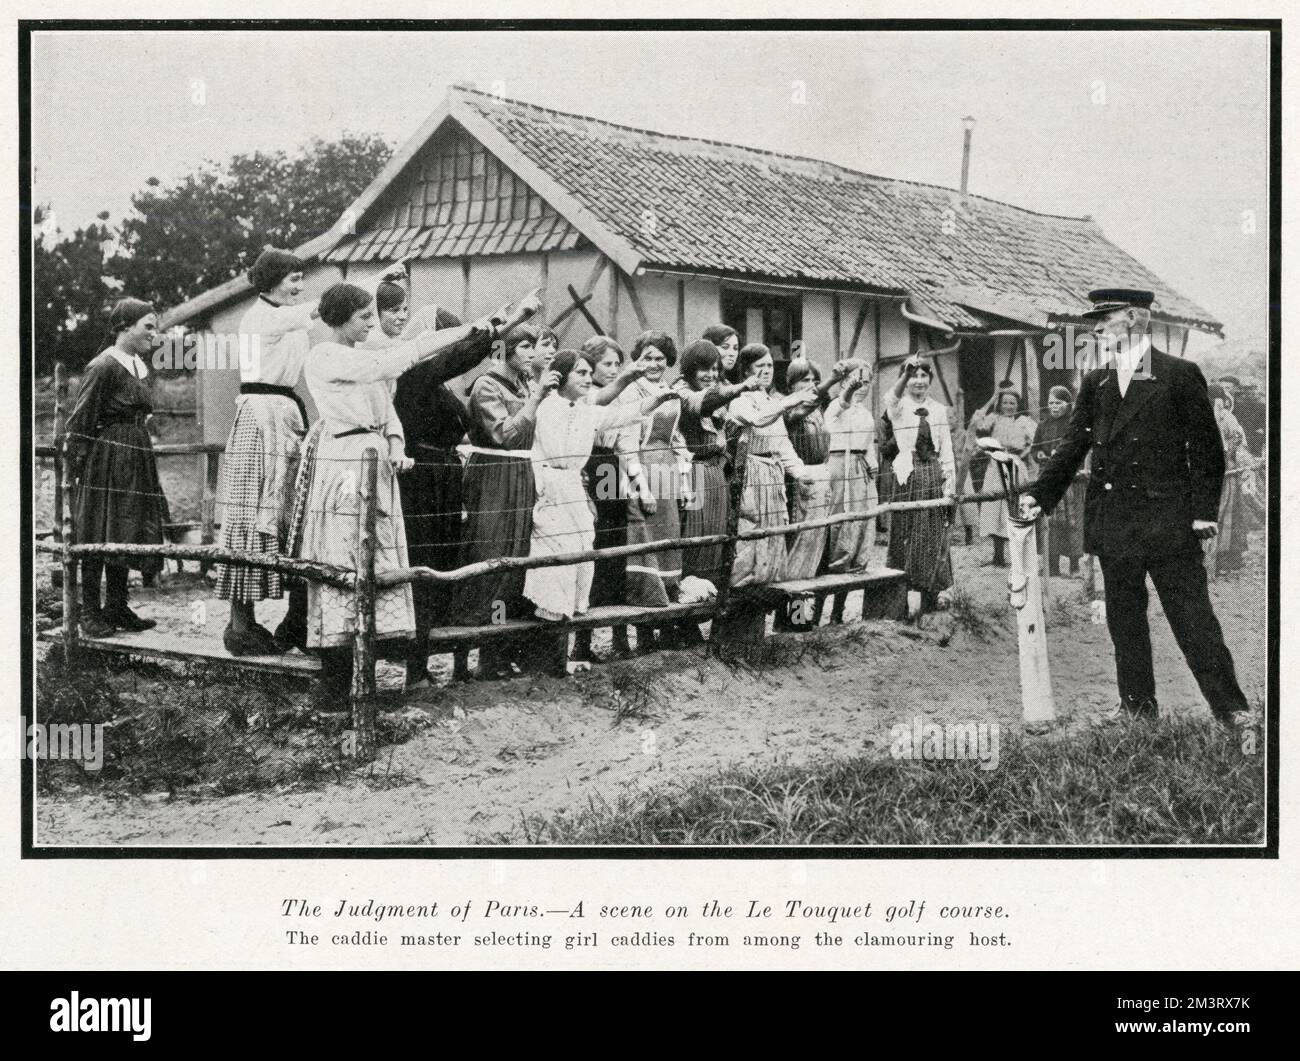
point(60, 467)
point(209, 466)
point(363, 643)
point(70, 601)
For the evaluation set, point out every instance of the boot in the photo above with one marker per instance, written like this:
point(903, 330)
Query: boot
point(292, 631)
point(999, 552)
point(115, 608)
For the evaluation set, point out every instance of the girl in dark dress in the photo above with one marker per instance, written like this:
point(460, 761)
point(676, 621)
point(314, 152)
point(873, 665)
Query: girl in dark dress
point(117, 497)
point(435, 423)
point(1065, 525)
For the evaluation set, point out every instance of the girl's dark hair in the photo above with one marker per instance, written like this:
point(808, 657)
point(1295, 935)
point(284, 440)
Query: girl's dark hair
point(389, 296)
point(660, 340)
point(1063, 393)
point(520, 333)
point(598, 346)
point(911, 368)
point(272, 266)
point(126, 313)
point(565, 361)
point(340, 301)
point(1215, 391)
point(750, 354)
point(797, 370)
point(700, 355)
point(544, 330)
point(718, 334)
point(1020, 402)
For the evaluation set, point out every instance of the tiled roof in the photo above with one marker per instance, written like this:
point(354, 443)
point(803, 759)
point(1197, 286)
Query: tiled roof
point(692, 204)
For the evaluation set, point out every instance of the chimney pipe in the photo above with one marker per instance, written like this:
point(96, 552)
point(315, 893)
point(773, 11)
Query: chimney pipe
point(968, 123)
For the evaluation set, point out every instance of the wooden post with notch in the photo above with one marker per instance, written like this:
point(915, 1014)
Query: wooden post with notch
point(210, 465)
point(63, 523)
point(60, 437)
point(363, 642)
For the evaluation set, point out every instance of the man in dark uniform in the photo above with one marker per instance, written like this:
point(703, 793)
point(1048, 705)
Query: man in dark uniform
point(1157, 471)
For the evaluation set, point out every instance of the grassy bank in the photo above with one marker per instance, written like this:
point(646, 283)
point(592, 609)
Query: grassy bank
point(1171, 783)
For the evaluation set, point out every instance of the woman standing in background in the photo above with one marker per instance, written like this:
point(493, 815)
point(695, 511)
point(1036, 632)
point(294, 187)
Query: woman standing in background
point(117, 496)
point(1007, 423)
point(1065, 525)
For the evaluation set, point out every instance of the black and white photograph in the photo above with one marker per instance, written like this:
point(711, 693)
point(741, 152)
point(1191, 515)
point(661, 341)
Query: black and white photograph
point(853, 441)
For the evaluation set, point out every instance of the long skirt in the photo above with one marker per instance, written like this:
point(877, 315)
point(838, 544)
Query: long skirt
point(762, 505)
point(804, 557)
point(977, 481)
point(993, 514)
point(499, 497)
point(329, 535)
point(652, 578)
point(562, 523)
point(852, 546)
point(432, 500)
point(1065, 525)
point(1227, 546)
point(603, 477)
point(260, 469)
point(120, 498)
point(706, 514)
point(918, 541)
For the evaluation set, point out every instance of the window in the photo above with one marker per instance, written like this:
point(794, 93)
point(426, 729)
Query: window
point(776, 321)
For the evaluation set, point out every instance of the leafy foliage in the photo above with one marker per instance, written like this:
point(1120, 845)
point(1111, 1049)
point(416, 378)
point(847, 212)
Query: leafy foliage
point(181, 240)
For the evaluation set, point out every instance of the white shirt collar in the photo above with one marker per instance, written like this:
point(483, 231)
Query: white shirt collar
point(1128, 356)
point(131, 362)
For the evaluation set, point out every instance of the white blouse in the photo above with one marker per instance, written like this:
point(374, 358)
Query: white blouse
point(902, 415)
point(350, 385)
point(278, 341)
point(852, 427)
point(566, 430)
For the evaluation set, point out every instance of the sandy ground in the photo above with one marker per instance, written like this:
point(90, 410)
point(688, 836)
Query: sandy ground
point(491, 753)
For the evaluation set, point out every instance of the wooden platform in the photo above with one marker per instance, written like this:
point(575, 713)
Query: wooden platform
point(884, 597)
point(159, 644)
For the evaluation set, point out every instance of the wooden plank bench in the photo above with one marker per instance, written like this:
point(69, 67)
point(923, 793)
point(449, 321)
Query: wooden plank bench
point(884, 597)
point(156, 644)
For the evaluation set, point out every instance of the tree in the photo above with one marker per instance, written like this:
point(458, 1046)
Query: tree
point(211, 225)
point(73, 291)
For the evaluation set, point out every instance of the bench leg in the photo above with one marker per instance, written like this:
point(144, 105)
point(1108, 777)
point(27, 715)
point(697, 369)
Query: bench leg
point(743, 626)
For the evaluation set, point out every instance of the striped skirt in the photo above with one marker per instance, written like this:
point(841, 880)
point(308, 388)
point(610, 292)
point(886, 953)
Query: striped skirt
point(499, 498)
point(652, 578)
point(706, 514)
point(260, 468)
point(804, 558)
point(762, 505)
point(851, 546)
point(918, 541)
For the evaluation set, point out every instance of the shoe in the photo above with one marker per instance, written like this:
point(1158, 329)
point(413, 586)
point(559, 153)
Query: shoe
point(1134, 709)
point(125, 619)
point(94, 624)
point(255, 641)
point(289, 636)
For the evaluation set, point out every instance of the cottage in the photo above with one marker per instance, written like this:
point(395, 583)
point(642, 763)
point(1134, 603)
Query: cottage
point(494, 196)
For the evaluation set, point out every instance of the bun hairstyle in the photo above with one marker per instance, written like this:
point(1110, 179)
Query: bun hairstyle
point(272, 266)
point(718, 334)
point(389, 296)
point(340, 301)
point(750, 355)
point(700, 355)
point(660, 340)
point(595, 349)
point(126, 313)
point(565, 361)
point(915, 366)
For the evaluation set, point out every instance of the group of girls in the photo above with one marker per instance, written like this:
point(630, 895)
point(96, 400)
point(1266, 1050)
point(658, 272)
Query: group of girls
point(567, 450)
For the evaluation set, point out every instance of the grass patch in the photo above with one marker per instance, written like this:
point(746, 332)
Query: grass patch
point(971, 616)
point(1173, 783)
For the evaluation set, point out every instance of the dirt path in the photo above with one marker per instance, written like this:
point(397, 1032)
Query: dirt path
point(495, 751)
